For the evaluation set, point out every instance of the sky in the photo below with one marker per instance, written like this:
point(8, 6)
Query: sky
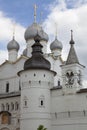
point(62, 15)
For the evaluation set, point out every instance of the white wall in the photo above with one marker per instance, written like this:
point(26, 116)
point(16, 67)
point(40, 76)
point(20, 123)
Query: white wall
point(34, 87)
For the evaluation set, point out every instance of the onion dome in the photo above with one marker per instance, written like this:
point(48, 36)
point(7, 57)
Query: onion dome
point(32, 30)
point(37, 61)
point(56, 44)
point(25, 52)
point(13, 44)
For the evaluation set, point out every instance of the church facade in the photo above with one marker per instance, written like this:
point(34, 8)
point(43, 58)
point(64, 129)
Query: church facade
point(39, 88)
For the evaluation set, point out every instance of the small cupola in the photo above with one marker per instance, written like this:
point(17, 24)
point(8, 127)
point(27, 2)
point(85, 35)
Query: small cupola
point(13, 48)
point(56, 47)
point(56, 44)
point(13, 45)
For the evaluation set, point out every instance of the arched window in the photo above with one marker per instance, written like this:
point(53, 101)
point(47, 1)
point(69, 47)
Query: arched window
point(12, 106)
point(16, 106)
point(79, 80)
point(7, 106)
point(25, 104)
point(7, 87)
point(58, 83)
point(42, 101)
point(2, 107)
point(69, 78)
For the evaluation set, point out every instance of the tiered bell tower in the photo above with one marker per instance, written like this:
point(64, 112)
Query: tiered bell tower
point(72, 71)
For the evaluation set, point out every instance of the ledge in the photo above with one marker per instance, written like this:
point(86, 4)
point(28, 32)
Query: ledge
point(9, 95)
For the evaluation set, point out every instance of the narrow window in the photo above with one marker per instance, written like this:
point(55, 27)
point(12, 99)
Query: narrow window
point(25, 103)
point(12, 106)
point(7, 107)
point(2, 107)
point(58, 83)
point(19, 85)
point(34, 74)
point(39, 81)
point(44, 75)
point(41, 102)
point(7, 87)
point(16, 106)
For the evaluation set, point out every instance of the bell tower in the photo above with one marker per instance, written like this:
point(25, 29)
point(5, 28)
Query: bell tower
point(72, 71)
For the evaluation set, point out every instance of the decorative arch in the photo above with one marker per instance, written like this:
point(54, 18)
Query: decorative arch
point(7, 106)
point(16, 106)
point(12, 106)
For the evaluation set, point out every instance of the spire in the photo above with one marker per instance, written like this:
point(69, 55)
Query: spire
point(72, 57)
point(71, 41)
point(56, 31)
point(41, 14)
point(35, 10)
point(13, 31)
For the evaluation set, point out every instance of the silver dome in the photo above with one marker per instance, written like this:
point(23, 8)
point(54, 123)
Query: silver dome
point(56, 45)
point(32, 30)
point(25, 52)
point(13, 44)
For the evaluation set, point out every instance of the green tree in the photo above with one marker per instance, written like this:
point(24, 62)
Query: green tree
point(41, 127)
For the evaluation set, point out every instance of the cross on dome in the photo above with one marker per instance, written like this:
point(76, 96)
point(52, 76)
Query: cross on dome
point(35, 12)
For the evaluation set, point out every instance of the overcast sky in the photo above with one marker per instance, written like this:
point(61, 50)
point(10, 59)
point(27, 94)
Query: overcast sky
point(65, 14)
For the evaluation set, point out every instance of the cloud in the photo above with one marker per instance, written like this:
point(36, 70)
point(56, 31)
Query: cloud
point(66, 19)
point(6, 34)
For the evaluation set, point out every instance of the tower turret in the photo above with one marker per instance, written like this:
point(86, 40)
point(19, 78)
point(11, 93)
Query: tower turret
point(36, 81)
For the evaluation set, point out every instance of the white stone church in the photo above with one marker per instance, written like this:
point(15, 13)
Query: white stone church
point(39, 88)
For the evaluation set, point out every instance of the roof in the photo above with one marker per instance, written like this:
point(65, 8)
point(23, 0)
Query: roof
point(72, 57)
point(83, 90)
point(7, 61)
point(37, 61)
